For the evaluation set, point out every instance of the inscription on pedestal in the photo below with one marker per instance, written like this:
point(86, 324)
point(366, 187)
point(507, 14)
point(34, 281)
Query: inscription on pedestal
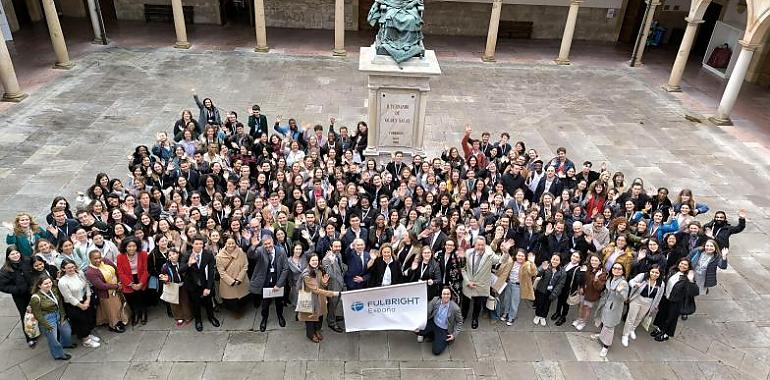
point(397, 114)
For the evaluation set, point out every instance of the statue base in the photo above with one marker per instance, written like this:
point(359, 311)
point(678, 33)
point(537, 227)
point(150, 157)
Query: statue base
point(398, 95)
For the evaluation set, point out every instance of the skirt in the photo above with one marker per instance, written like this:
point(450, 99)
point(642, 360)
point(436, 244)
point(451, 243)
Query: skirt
point(181, 310)
point(109, 311)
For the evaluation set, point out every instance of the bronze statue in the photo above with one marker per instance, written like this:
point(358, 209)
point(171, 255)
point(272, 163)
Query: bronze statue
point(400, 33)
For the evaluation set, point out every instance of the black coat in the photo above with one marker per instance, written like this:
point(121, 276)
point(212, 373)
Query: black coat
point(545, 275)
point(200, 276)
point(722, 233)
point(377, 272)
point(17, 283)
point(683, 295)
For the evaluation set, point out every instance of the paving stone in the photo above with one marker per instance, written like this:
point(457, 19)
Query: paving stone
point(289, 345)
point(79, 371)
point(149, 371)
point(194, 346)
point(514, 370)
point(488, 345)
point(554, 346)
point(245, 346)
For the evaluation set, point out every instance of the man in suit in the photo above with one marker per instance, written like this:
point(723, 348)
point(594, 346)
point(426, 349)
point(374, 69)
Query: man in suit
point(550, 183)
point(257, 123)
point(396, 165)
point(192, 176)
point(284, 224)
point(270, 271)
point(433, 236)
point(357, 260)
point(336, 269)
point(199, 269)
point(478, 267)
point(445, 321)
point(354, 232)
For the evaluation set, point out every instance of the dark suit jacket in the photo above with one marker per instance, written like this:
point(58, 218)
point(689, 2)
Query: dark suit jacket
point(555, 188)
point(349, 236)
point(262, 262)
point(438, 245)
point(356, 268)
point(200, 276)
point(257, 127)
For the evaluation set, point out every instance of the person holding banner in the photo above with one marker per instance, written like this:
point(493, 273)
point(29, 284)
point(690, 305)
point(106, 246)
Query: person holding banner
point(335, 268)
point(315, 280)
point(476, 274)
point(386, 270)
point(445, 321)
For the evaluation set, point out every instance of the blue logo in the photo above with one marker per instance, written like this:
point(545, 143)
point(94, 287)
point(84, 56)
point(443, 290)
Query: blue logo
point(357, 306)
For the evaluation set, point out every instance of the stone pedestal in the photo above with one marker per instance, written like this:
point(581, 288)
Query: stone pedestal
point(397, 98)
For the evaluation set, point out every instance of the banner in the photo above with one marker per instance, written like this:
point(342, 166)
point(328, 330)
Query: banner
point(395, 307)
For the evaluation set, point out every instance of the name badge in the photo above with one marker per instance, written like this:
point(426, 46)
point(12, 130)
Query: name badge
point(550, 287)
point(272, 270)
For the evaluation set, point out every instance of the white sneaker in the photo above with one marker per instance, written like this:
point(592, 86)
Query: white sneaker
point(91, 343)
point(502, 318)
point(542, 321)
point(575, 323)
point(603, 352)
point(624, 340)
point(580, 326)
point(536, 320)
point(509, 323)
point(420, 338)
point(94, 338)
point(632, 335)
point(595, 336)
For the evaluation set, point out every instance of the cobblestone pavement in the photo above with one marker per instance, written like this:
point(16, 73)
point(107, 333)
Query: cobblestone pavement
point(89, 119)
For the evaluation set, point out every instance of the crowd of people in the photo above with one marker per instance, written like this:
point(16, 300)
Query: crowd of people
point(221, 214)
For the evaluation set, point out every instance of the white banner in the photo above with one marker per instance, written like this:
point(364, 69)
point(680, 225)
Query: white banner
point(395, 307)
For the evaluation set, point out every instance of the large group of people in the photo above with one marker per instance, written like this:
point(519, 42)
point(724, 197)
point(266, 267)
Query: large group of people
point(224, 214)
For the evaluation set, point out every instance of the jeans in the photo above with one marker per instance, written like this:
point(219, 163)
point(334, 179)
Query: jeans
point(438, 335)
point(509, 302)
point(59, 337)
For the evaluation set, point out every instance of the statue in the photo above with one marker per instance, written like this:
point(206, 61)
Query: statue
point(400, 33)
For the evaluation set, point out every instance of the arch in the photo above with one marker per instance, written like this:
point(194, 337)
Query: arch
point(759, 28)
point(698, 9)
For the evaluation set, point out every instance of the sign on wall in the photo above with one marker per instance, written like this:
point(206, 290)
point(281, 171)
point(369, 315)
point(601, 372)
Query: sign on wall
point(397, 115)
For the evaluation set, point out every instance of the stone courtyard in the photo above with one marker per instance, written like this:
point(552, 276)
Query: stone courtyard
point(89, 119)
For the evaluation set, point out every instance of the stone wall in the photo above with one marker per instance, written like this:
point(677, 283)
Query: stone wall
point(308, 14)
point(206, 11)
point(472, 19)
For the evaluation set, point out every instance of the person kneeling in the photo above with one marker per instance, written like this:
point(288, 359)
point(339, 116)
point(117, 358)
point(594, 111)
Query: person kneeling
point(445, 321)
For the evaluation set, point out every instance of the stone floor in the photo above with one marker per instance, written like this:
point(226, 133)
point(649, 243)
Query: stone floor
point(88, 119)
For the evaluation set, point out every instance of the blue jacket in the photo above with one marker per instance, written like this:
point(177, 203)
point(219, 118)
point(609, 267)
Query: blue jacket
point(356, 268)
point(663, 229)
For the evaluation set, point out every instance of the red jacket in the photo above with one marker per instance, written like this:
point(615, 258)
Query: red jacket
point(124, 271)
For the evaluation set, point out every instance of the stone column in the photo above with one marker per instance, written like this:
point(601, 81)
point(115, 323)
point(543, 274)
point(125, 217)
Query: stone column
point(569, 32)
point(494, 23)
point(339, 29)
point(179, 25)
point(35, 13)
point(8, 76)
point(96, 23)
point(259, 25)
point(57, 37)
point(734, 84)
point(675, 80)
point(646, 32)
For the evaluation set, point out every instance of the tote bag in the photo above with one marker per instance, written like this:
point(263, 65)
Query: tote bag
point(170, 293)
point(31, 327)
point(304, 300)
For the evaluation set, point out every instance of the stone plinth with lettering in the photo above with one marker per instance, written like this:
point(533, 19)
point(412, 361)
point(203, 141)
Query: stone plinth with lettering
point(397, 98)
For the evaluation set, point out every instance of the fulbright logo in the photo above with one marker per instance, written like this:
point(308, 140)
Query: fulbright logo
point(357, 306)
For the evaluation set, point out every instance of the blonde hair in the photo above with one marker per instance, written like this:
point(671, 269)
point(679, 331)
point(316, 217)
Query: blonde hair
point(33, 226)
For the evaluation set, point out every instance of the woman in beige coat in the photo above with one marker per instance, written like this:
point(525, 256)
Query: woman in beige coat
point(515, 279)
point(314, 280)
point(233, 282)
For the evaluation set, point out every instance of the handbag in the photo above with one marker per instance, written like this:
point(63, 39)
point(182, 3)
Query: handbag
point(125, 310)
point(153, 283)
point(304, 301)
point(647, 322)
point(491, 303)
point(575, 297)
point(31, 327)
point(170, 293)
